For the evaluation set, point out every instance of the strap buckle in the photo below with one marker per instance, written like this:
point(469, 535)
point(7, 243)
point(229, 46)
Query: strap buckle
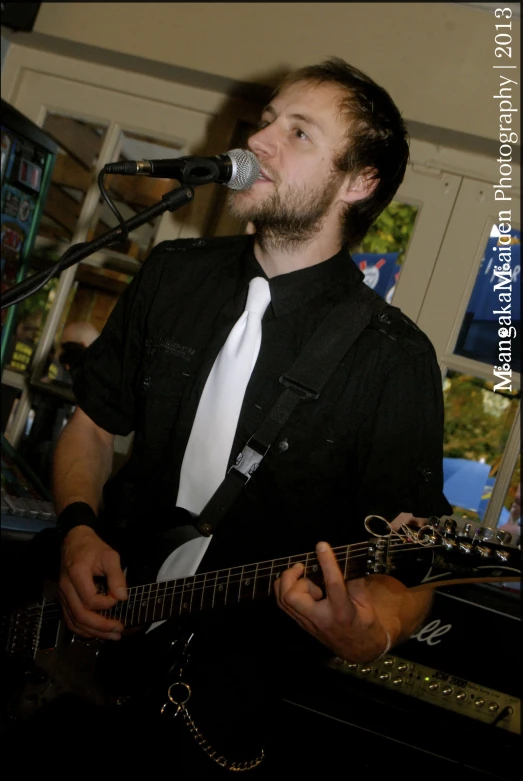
point(301, 390)
point(249, 460)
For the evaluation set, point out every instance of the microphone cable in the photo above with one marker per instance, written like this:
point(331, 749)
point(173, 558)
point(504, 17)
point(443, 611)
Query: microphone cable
point(57, 267)
point(51, 272)
point(109, 202)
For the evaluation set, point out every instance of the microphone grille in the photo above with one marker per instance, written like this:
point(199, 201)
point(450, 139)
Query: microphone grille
point(246, 169)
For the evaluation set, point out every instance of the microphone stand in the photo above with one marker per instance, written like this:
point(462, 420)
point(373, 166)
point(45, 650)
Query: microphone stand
point(171, 201)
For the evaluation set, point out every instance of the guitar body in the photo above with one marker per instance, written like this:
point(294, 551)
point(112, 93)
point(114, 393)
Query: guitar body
point(54, 672)
point(133, 671)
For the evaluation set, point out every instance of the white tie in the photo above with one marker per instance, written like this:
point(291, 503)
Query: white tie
point(209, 447)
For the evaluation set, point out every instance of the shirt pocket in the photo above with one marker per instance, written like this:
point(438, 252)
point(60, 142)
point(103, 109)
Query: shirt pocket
point(166, 368)
point(165, 379)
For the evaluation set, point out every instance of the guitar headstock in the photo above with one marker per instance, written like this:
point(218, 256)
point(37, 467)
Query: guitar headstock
point(451, 551)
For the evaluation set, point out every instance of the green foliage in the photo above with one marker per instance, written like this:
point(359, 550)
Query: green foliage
point(477, 420)
point(392, 230)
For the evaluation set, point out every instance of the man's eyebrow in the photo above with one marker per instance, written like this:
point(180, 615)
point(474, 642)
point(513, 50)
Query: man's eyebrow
point(301, 117)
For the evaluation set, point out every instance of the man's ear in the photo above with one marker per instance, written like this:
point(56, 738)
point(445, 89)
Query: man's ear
point(360, 186)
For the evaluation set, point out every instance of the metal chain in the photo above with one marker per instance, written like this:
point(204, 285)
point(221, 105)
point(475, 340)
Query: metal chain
point(179, 700)
point(234, 767)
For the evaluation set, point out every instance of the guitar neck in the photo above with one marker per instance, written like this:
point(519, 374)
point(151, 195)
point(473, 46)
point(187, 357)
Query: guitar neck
point(225, 587)
point(434, 559)
point(431, 558)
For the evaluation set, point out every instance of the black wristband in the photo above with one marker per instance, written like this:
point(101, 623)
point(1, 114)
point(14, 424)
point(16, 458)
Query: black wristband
point(76, 514)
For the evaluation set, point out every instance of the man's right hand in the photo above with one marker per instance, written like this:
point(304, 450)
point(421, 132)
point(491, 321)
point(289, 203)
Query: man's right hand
point(84, 556)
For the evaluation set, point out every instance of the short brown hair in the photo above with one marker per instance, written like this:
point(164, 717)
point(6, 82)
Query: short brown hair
point(377, 140)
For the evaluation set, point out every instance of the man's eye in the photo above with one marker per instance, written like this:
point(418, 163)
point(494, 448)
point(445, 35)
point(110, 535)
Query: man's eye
point(301, 134)
point(262, 124)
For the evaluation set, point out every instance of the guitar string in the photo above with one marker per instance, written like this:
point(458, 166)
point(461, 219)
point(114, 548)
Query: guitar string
point(152, 592)
point(172, 587)
point(225, 570)
point(176, 588)
point(341, 553)
point(137, 593)
point(240, 572)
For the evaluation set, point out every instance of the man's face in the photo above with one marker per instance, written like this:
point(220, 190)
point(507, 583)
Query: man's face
point(301, 132)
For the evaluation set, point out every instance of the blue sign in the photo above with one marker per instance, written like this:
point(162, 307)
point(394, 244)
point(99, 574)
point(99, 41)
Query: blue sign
point(479, 335)
point(381, 271)
point(484, 300)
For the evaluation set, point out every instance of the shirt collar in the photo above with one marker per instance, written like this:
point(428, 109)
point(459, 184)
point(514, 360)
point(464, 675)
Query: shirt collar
point(336, 276)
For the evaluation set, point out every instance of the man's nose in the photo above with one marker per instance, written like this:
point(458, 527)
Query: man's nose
point(263, 143)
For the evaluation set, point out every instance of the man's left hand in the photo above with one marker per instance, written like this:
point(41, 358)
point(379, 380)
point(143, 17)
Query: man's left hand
point(353, 618)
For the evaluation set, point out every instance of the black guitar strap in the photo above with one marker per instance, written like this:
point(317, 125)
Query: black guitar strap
point(304, 381)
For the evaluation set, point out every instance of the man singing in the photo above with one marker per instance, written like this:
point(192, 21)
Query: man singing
point(333, 150)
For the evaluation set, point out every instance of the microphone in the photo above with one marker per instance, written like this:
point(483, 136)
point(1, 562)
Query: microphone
point(238, 169)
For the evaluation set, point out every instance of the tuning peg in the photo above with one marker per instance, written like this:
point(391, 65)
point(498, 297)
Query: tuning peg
point(449, 527)
point(466, 531)
point(434, 521)
point(503, 537)
point(483, 550)
point(428, 536)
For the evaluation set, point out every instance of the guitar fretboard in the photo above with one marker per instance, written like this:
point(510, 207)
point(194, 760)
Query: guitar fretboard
point(211, 590)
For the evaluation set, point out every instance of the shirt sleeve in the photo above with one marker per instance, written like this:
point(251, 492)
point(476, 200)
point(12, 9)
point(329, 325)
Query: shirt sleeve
point(105, 383)
point(401, 449)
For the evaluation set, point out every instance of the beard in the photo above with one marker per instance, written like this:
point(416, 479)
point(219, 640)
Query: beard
point(285, 221)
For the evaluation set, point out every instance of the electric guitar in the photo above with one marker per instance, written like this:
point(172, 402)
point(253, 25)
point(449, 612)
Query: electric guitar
point(55, 661)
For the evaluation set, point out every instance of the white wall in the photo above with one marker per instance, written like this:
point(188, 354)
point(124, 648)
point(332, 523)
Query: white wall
point(434, 58)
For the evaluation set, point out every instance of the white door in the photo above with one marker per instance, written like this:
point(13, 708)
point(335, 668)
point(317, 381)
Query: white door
point(461, 314)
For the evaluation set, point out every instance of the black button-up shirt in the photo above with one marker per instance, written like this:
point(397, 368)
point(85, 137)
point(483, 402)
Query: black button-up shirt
point(372, 443)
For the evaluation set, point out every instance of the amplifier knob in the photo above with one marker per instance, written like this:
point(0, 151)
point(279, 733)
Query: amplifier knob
point(433, 686)
point(493, 707)
point(397, 681)
point(479, 702)
point(402, 668)
point(388, 662)
point(447, 690)
point(461, 696)
point(384, 677)
point(366, 670)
